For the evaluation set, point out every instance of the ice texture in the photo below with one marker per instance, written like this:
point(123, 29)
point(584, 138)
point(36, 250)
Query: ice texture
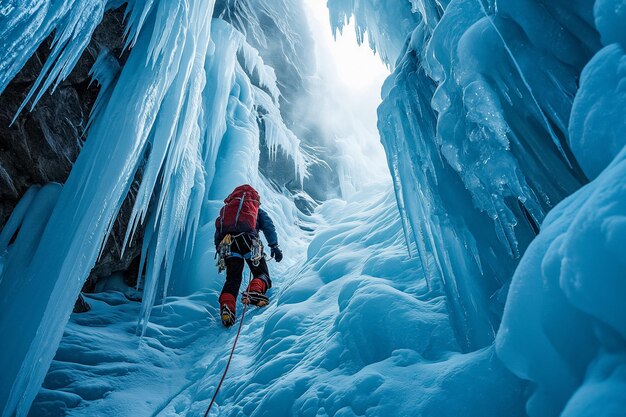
point(385, 23)
point(563, 325)
point(495, 112)
point(186, 106)
point(279, 32)
point(25, 25)
point(476, 136)
point(597, 123)
point(349, 331)
point(495, 119)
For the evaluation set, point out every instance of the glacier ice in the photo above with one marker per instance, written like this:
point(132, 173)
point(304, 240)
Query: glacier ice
point(476, 138)
point(483, 142)
point(596, 124)
point(495, 115)
point(563, 323)
point(386, 23)
point(153, 115)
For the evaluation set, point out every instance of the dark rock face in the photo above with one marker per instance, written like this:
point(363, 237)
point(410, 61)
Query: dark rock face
point(81, 305)
point(42, 145)
point(111, 260)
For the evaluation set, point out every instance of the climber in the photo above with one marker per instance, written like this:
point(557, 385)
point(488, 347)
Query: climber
point(237, 239)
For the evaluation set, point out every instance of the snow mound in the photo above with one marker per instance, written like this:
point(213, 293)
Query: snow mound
point(347, 340)
point(563, 327)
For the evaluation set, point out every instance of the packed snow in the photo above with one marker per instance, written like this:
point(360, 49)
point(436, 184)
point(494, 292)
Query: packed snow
point(350, 331)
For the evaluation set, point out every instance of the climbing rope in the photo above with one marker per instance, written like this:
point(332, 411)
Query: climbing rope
point(232, 351)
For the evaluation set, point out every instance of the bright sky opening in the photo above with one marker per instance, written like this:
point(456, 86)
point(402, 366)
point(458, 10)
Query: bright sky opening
point(356, 65)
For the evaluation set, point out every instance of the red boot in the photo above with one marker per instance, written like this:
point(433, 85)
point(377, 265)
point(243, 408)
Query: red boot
point(257, 285)
point(228, 309)
point(255, 294)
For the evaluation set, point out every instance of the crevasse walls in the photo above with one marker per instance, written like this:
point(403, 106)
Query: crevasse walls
point(476, 135)
point(495, 113)
point(563, 326)
point(192, 96)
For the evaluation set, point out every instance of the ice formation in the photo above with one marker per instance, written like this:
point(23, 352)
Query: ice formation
point(325, 346)
point(183, 104)
point(479, 148)
point(502, 124)
point(563, 327)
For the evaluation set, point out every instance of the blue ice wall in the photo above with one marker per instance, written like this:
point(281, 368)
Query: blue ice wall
point(278, 30)
point(477, 139)
point(190, 101)
point(495, 113)
point(563, 327)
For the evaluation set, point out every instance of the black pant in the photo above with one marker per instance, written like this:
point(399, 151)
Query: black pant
point(234, 266)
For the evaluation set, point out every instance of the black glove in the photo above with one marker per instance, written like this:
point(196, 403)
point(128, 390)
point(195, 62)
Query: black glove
point(276, 253)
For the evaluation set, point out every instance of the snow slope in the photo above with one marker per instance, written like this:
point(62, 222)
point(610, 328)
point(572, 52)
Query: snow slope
point(352, 330)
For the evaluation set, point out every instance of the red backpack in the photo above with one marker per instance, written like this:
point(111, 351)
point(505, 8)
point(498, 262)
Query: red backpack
point(240, 211)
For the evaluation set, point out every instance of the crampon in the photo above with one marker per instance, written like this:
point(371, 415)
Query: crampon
point(254, 298)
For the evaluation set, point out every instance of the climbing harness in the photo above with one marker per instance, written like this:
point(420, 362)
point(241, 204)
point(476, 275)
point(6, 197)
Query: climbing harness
point(255, 251)
point(230, 358)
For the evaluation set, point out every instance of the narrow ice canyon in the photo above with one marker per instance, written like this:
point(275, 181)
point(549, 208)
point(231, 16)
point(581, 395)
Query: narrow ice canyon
point(446, 181)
